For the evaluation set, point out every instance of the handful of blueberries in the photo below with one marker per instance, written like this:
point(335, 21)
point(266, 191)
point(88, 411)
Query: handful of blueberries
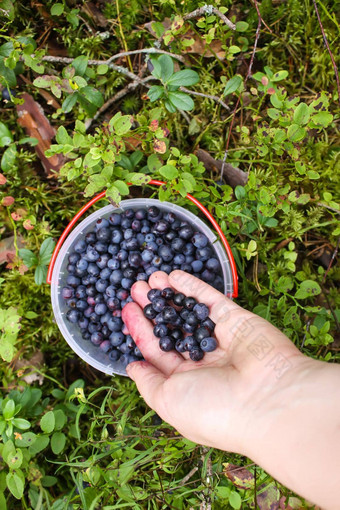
point(185, 316)
point(122, 249)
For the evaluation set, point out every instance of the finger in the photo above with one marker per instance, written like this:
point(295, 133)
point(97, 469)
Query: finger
point(159, 280)
point(220, 306)
point(141, 330)
point(139, 292)
point(149, 381)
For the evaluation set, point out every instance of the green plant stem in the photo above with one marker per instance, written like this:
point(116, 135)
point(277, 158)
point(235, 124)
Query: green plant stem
point(122, 36)
point(15, 241)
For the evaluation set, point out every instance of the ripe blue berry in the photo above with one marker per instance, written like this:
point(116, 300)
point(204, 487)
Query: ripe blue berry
point(189, 302)
point(160, 330)
point(149, 312)
point(201, 311)
point(208, 344)
point(196, 354)
point(166, 343)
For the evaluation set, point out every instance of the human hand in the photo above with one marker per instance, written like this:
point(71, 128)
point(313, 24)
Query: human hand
point(218, 400)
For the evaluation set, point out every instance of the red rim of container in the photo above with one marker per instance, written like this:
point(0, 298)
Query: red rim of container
point(156, 183)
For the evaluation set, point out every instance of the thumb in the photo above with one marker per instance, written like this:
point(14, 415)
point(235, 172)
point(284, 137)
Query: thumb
point(149, 381)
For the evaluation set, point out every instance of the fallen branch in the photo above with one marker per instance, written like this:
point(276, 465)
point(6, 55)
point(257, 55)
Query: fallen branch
point(234, 176)
point(328, 49)
point(208, 96)
point(209, 9)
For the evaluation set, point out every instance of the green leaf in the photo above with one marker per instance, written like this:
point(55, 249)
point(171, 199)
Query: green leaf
point(47, 422)
point(167, 67)
point(28, 257)
point(311, 174)
point(122, 187)
point(15, 485)
point(58, 441)
point(169, 172)
point(241, 26)
point(232, 84)
point(307, 289)
point(39, 444)
point(14, 461)
point(154, 163)
point(122, 124)
point(322, 118)
point(80, 65)
point(169, 106)
point(69, 102)
point(21, 424)
point(8, 158)
point(301, 114)
point(3, 504)
point(7, 11)
point(113, 193)
point(60, 419)
point(8, 450)
point(93, 96)
point(181, 101)
point(279, 76)
point(296, 133)
point(27, 439)
point(6, 350)
point(9, 409)
point(40, 274)
point(46, 250)
point(138, 179)
point(8, 75)
point(235, 500)
point(62, 136)
point(155, 92)
point(57, 9)
point(183, 78)
point(5, 135)
point(48, 481)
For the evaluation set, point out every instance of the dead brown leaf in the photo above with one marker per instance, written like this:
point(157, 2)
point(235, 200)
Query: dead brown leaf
point(95, 15)
point(7, 249)
point(26, 368)
point(239, 476)
point(32, 118)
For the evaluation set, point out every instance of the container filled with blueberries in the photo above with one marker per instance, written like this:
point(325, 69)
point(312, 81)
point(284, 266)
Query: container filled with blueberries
point(113, 248)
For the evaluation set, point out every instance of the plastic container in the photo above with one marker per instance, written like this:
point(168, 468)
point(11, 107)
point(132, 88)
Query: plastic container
point(84, 348)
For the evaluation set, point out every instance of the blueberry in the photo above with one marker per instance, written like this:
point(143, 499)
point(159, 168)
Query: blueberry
point(207, 276)
point(166, 268)
point(97, 338)
point(99, 298)
point(103, 260)
point(105, 331)
point(88, 311)
point(189, 302)
point(103, 234)
point(90, 238)
point(197, 266)
point(186, 232)
point(170, 236)
point(105, 273)
point(151, 269)
point(100, 223)
point(203, 253)
point(140, 239)
point(201, 311)
point(124, 360)
point(115, 219)
point(187, 268)
point(147, 256)
point(136, 225)
point(179, 346)
point(160, 330)
point(166, 343)
point(189, 249)
point(122, 255)
point(101, 247)
point(73, 258)
point(140, 214)
point(93, 269)
point(179, 258)
point(151, 246)
point(73, 281)
point(177, 245)
point(209, 324)
point(116, 313)
point(101, 285)
point(80, 292)
point(116, 338)
point(71, 268)
point(115, 324)
point(135, 259)
point(105, 346)
point(169, 314)
point(201, 333)
point(168, 293)
point(145, 229)
point(157, 261)
point(126, 223)
point(199, 240)
point(127, 283)
point(166, 253)
point(114, 355)
point(189, 328)
point(122, 294)
point(81, 305)
point(117, 236)
point(142, 277)
point(137, 352)
point(176, 224)
point(116, 276)
point(93, 327)
point(71, 302)
point(129, 213)
point(153, 212)
point(196, 354)
point(161, 226)
point(208, 344)
point(80, 246)
point(190, 343)
point(177, 334)
point(213, 265)
point(159, 319)
point(132, 244)
point(113, 303)
point(149, 238)
point(179, 299)
point(73, 316)
point(113, 249)
point(100, 309)
point(149, 312)
point(82, 264)
point(129, 272)
point(67, 292)
point(192, 318)
point(91, 254)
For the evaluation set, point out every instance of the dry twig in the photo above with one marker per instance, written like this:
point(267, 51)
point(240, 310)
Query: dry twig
point(209, 9)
